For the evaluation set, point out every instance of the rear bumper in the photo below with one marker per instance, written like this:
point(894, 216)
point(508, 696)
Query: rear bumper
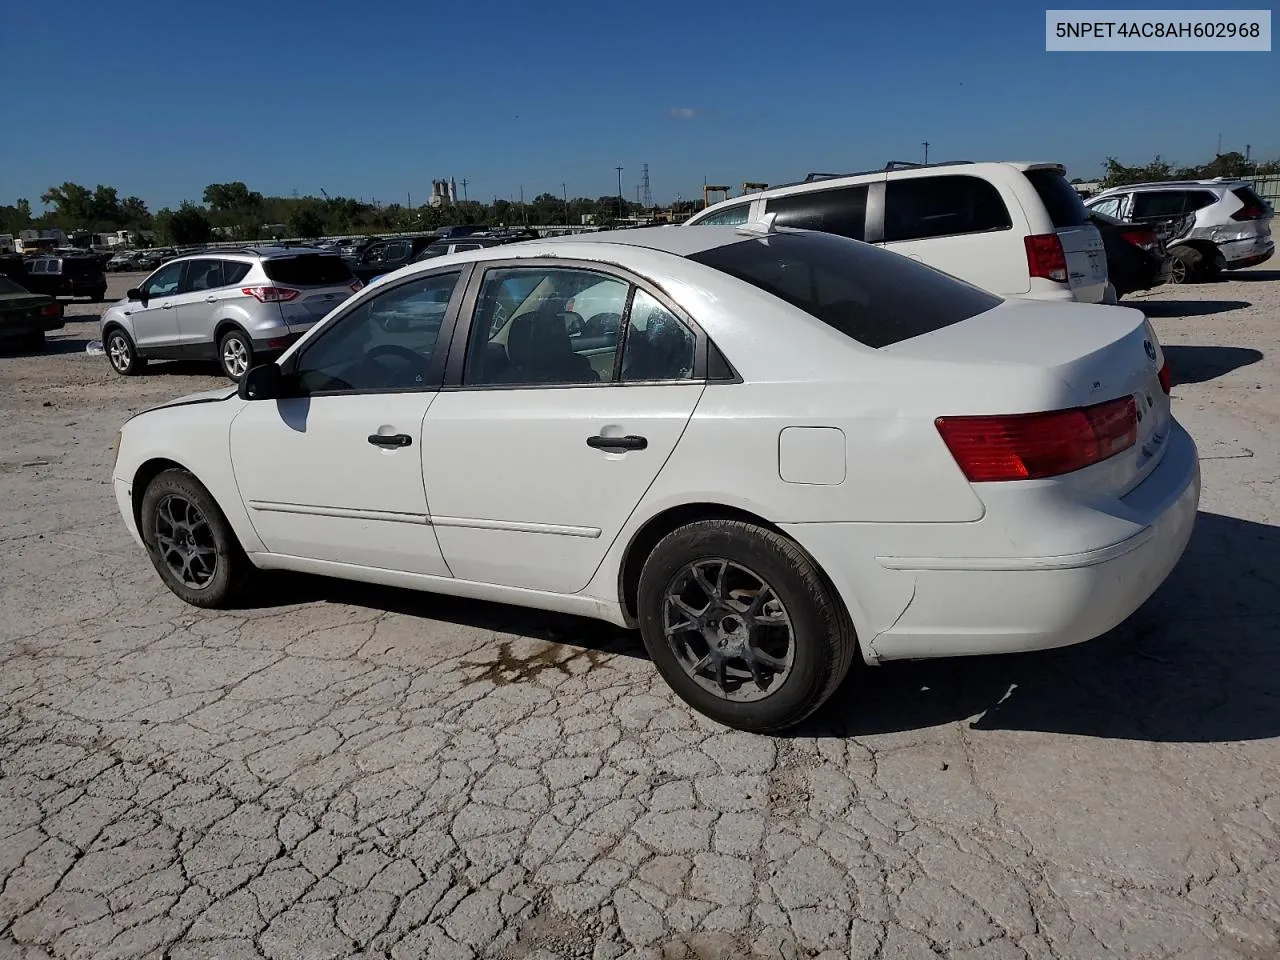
point(945, 603)
point(1240, 254)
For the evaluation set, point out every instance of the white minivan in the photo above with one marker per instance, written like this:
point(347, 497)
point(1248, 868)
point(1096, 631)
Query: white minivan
point(1015, 229)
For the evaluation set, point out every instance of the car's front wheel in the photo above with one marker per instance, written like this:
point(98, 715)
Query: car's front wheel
point(235, 354)
point(122, 354)
point(190, 543)
point(742, 624)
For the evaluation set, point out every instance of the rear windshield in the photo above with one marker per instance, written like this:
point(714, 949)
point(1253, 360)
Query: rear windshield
point(1060, 198)
point(870, 295)
point(1250, 199)
point(308, 270)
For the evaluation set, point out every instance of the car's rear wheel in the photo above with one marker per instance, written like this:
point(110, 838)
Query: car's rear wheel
point(235, 354)
point(1188, 264)
point(122, 354)
point(190, 543)
point(742, 624)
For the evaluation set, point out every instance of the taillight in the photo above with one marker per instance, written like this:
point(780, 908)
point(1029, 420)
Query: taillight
point(1045, 257)
point(1250, 211)
point(1032, 446)
point(1166, 378)
point(51, 310)
point(1143, 239)
point(271, 294)
point(356, 286)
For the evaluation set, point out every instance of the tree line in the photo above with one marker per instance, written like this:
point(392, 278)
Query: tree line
point(231, 211)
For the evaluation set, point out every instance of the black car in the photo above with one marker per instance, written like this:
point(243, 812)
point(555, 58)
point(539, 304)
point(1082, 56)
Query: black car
point(1137, 257)
point(26, 316)
point(74, 275)
point(387, 255)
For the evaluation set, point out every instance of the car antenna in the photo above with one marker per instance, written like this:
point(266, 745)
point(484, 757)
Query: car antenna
point(762, 227)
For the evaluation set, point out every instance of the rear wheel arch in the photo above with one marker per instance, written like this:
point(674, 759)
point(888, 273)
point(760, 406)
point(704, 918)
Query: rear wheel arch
point(225, 326)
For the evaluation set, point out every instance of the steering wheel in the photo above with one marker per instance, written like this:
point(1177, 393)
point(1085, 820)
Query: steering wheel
point(416, 363)
point(602, 324)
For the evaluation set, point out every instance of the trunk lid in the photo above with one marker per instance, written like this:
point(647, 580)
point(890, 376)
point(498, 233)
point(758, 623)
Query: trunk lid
point(323, 281)
point(1097, 353)
point(1081, 242)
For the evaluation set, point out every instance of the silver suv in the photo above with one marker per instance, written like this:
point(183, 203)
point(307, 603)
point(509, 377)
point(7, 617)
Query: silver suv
point(1215, 224)
point(236, 306)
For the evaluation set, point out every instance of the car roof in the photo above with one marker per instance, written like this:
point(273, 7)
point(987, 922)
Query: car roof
point(668, 239)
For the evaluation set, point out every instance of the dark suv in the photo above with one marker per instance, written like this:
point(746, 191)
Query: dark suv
point(67, 276)
point(387, 255)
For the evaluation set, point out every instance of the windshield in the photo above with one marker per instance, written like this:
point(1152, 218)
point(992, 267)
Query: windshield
point(8, 286)
point(870, 295)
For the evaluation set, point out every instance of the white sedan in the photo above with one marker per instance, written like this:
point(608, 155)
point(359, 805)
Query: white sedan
point(772, 451)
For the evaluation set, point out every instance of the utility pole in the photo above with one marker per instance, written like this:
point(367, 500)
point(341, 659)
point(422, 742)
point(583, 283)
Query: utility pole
point(565, 191)
point(1219, 153)
point(464, 189)
point(926, 152)
point(619, 169)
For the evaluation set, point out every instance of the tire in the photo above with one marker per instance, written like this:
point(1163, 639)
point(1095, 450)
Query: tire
point(1188, 264)
point(99, 295)
point(122, 355)
point(235, 354)
point(802, 607)
point(190, 543)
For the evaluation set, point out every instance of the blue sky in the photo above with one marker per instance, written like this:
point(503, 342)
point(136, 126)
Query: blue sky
point(375, 100)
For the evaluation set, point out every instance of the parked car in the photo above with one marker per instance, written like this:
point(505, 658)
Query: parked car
point(1228, 226)
point(1016, 229)
point(388, 255)
point(235, 306)
point(67, 276)
point(802, 449)
point(351, 249)
point(26, 316)
point(1137, 256)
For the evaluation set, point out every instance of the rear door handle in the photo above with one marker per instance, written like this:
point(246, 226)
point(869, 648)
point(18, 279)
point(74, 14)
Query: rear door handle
point(390, 440)
point(630, 442)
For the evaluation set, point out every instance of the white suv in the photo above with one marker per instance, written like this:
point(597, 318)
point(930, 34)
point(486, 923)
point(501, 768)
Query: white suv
point(1015, 229)
point(1222, 224)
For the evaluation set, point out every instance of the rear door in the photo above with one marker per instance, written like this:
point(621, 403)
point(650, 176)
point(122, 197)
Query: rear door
point(540, 450)
point(1081, 241)
point(315, 283)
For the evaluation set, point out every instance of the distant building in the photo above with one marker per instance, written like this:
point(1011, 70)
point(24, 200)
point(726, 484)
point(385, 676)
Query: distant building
point(1087, 188)
point(444, 193)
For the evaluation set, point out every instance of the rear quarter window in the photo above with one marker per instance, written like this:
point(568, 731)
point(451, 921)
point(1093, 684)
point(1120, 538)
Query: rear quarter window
point(1059, 197)
point(308, 270)
point(842, 211)
point(868, 294)
point(729, 216)
point(921, 207)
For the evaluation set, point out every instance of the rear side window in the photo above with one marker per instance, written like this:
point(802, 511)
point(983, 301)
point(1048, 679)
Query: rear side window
point(1059, 197)
point(1199, 199)
point(831, 211)
point(730, 216)
point(1159, 203)
point(870, 295)
point(308, 270)
point(233, 271)
point(924, 207)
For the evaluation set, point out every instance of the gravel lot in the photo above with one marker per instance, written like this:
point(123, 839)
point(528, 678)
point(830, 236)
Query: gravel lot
point(366, 772)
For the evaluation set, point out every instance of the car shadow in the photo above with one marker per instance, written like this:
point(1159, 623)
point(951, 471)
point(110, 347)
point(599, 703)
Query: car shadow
point(1189, 308)
point(1253, 276)
point(1198, 663)
point(287, 589)
point(1197, 364)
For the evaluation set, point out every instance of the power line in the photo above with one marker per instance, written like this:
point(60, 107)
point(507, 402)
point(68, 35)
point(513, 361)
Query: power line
point(644, 186)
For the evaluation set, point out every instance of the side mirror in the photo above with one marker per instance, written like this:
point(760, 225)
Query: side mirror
point(263, 382)
point(136, 294)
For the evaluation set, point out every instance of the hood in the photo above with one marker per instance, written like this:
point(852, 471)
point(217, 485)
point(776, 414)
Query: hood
point(205, 396)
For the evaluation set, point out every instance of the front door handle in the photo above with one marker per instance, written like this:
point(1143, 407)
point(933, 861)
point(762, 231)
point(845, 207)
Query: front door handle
point(614, 444)
point(390, 440)
point(166, 306)
point(210, 299)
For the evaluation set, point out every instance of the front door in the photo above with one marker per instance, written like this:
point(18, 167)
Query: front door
point(536, 460)
point(155, 319)
point(335, 472)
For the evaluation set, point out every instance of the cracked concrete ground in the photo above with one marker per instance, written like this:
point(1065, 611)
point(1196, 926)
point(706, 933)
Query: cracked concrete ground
point(362, 772)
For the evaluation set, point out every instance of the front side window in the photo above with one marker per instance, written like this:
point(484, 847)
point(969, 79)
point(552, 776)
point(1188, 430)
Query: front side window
point(923, 207)
point(1159, 203)
point(730, 216)
point(659, 346)
point(164, 282)
point(842, 211)
point(387, 342)
point(530, 327)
